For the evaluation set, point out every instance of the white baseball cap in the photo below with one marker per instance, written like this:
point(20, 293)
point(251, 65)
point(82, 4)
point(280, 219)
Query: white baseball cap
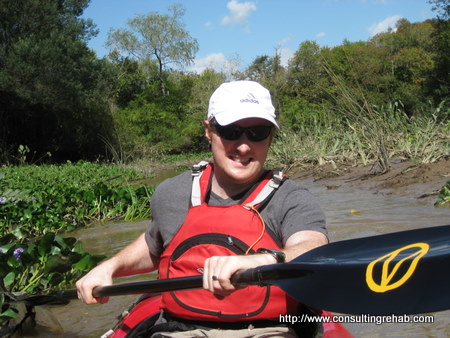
point(237, 100)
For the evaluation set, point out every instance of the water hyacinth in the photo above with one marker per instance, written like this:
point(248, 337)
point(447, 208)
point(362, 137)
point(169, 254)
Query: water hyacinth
point(38, 199)
point(18, 252)
point(34, 267)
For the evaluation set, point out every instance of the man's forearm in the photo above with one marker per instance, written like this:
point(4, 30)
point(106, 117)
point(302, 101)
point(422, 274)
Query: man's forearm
point(133, 259)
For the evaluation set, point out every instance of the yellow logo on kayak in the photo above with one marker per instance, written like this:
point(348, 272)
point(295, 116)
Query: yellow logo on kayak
point(386, 282)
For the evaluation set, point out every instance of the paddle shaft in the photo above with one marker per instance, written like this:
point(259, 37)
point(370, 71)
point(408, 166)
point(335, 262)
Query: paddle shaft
point(62, 297)
point(157, 286)
point(153, 286)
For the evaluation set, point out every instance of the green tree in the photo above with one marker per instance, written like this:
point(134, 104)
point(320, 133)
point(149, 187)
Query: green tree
point(442, 8)
point(203, 85)
point(409, 55)
point(53, 89)
point(363, 65)
point(156, 38)
point(440, 79)
point(307, 85)
point(263, 69)
point(306, 72)
point(131, 79)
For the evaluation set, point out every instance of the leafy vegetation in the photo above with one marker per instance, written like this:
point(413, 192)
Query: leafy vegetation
point(444, 195)
point(374, 135)
point(50, 262)
point(37, 199)
point(363, 101)
point(368, 89)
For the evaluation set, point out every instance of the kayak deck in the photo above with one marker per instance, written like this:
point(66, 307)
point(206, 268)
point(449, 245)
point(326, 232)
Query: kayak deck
point(147, 307)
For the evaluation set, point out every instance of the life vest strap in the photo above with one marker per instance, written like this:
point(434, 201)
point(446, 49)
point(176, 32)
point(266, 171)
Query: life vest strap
point(196, 194)
point(197, 170)
point(273, 184)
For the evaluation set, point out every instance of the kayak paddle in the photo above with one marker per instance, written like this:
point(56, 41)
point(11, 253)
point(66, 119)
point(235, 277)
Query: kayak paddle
point(399, 273)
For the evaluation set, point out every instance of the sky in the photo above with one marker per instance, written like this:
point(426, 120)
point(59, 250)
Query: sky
point(232, 33)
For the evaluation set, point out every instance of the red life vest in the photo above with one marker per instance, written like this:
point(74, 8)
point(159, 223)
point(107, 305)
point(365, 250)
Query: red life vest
point(222, 231)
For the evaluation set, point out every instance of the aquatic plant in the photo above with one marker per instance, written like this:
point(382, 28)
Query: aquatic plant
point(38, 266)
point(444, 195)
point(37, 199)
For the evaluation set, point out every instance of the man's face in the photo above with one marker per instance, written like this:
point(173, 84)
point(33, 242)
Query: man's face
point(238, 161)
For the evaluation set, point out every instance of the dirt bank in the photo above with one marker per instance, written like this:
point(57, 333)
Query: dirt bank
point(404, 178)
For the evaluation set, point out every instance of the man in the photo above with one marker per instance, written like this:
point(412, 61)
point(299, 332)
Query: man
point(233, 201)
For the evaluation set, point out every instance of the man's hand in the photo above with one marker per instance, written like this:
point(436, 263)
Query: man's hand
point(219, 269)
point(98, 276)
point(133, 259)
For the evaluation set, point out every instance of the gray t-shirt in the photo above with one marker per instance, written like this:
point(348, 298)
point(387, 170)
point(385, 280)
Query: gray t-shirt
point(291, 209)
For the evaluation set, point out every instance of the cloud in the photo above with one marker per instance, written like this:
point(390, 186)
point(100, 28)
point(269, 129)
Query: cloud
point(238, 13)
point(208, 24)
point(384, 26)
point(284, 41)
point(285, 55)
point(216, 61)
point(320, 35)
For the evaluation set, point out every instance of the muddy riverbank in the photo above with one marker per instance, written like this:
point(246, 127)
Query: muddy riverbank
point(406, 178)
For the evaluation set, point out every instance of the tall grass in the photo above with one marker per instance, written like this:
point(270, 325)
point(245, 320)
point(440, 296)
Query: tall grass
point(373, 139)
point(350, 128)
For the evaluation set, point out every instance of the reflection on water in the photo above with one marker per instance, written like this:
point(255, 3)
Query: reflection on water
point(376, 214)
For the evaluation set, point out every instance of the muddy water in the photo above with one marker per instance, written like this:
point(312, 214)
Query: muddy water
point(372, 214)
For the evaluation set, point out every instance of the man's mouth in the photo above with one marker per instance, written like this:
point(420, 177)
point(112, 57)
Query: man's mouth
point(243, 161)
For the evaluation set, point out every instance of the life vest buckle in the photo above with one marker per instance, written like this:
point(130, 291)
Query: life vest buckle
point(277, 179)
point(198, 168)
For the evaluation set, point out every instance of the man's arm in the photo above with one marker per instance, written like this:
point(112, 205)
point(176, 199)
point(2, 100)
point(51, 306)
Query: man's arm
point(133, 259)
point(303, 241)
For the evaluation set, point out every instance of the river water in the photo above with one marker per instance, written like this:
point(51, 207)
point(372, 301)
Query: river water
point(351, 213)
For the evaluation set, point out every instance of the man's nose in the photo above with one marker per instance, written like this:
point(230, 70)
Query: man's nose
point(243, 144)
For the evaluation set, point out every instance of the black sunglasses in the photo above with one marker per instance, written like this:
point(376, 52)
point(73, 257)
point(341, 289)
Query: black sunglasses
point(233, 132)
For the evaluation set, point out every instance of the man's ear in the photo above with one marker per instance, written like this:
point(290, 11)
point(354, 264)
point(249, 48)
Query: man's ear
point(208, 131)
